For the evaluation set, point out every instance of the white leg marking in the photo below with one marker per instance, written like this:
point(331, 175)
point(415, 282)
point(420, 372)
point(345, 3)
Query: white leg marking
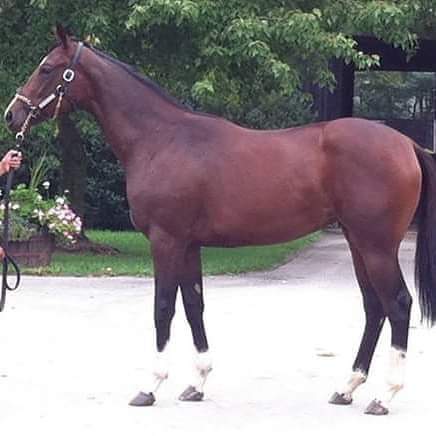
point(397, 370)
point(203, 367)
point(357, 378)
point(160, 372)
point(395, 378)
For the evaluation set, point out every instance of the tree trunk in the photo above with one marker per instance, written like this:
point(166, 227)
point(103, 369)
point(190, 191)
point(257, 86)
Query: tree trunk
point(73, 179)
point(73, 168)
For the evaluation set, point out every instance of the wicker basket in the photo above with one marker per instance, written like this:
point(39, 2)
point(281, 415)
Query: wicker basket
point(34, 252)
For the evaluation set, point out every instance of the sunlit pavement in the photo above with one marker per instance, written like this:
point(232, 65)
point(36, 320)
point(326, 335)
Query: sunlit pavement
point(73, 351)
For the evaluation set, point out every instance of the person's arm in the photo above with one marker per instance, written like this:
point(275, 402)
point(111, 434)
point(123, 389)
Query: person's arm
point(11, 160)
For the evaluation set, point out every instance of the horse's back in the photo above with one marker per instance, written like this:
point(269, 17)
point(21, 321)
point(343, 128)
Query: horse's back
point(265, 186)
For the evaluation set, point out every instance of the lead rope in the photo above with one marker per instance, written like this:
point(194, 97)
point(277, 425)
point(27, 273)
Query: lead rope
point(8, 259)
point(59, 94)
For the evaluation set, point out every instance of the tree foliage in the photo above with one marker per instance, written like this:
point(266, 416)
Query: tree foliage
point(394, 95)
point(230, 56)
point(252, 61)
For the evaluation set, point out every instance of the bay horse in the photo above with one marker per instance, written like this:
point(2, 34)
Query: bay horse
point(196, 180)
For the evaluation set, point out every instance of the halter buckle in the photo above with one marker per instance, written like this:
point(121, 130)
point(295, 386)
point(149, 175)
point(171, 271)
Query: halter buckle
point(60, 90)
point(68, 75)
point(34, 111)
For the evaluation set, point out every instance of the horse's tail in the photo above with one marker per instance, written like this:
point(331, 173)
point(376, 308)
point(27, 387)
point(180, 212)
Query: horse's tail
point(425, 258)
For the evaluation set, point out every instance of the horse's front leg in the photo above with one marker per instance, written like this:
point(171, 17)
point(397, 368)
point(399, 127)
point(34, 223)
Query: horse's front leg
point(168, 257)
point(192, 293)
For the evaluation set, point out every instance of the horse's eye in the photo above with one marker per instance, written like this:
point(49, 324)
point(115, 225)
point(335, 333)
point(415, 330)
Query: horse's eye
point(46, 69)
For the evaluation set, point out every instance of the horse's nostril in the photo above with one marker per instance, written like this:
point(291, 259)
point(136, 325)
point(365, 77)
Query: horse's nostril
point(8, 117)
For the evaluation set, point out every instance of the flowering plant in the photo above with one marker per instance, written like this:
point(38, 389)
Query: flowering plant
point(32, 214)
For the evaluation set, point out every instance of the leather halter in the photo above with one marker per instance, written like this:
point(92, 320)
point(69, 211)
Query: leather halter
point(59, 93)
point(34, 111)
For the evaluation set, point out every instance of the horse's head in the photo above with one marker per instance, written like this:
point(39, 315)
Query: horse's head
point(52, 89)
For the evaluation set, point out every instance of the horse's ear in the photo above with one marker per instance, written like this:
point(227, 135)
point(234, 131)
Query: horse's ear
point(62, 35)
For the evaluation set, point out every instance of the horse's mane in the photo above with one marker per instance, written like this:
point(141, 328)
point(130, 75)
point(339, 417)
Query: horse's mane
point(133, 71)
point(144, 80)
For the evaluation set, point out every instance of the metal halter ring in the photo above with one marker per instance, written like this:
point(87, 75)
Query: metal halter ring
point(68, 75)
point(19, 137)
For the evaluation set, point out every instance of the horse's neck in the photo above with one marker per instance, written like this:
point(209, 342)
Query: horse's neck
point(135, 119)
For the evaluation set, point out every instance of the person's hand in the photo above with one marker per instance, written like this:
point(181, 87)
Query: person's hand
point(2, 254)
point(11, 160)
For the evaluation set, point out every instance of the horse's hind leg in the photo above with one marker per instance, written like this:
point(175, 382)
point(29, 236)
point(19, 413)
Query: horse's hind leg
point(373, 325)
point(385, 274)
point(192, 293)
point(380, 258)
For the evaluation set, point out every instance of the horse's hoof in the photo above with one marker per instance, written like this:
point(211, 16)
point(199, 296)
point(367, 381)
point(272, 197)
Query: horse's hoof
point(340, 399)
point(376, 408)
point(143, 399)
point(191, 394)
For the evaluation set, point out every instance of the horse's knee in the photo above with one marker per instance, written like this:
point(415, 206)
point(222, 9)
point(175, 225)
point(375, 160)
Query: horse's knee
point(194, 308)
point(193, 301)
point(164, 312)
point(162, 320)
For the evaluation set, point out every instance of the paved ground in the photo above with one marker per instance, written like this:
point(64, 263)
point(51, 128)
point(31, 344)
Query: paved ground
point(74, 351)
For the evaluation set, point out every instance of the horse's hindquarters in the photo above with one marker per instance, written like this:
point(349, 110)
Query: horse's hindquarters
point(374, 179)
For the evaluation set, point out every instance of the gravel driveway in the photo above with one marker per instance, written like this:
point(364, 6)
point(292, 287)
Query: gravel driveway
point(73, 351)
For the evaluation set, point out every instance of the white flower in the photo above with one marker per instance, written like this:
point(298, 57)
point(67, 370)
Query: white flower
point(60, 200)
point(2, 207)
point(46, 184)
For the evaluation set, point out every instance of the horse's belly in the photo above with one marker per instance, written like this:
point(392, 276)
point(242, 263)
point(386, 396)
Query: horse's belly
point(266, 223)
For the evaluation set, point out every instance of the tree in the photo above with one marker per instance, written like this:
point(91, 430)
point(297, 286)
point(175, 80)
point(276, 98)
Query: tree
point(249, 60)
point(26, 32)
point(393, 94)
point(232, 56)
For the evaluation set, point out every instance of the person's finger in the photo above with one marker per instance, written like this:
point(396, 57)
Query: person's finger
point(12, 154)
point(15, 160)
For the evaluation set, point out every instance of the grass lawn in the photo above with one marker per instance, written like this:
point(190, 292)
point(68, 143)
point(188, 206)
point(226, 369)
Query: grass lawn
point(134, 258)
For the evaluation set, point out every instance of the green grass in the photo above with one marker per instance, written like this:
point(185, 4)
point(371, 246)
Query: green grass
point(134, 257)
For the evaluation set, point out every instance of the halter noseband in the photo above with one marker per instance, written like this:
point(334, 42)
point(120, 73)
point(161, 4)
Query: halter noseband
point(59, 93)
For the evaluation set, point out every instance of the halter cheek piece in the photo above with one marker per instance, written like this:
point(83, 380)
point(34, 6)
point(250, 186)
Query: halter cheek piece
point(59, 94)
